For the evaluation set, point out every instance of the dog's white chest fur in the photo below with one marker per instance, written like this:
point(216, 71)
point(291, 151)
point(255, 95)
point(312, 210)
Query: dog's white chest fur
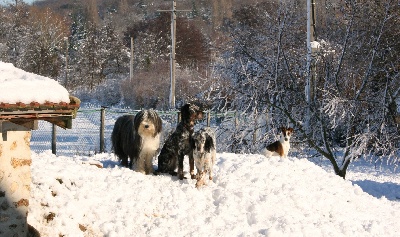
point(148, 150)
point(285, 146)
point(150, 143)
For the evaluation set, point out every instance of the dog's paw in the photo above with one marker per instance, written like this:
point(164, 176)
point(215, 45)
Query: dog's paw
point(173, 173)
point(181, 177)
point(199, 183)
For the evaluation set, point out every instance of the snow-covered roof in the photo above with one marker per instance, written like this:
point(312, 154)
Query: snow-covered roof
point(26, 97)
point(17, 85)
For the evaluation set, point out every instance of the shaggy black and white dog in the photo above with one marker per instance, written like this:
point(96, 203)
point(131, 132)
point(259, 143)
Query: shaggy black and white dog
point(177, 144)
point(137, 137)
point(203, 146)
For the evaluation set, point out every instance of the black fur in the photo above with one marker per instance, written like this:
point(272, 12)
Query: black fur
point(177, 144)
point(126, 141)
point(209, 143)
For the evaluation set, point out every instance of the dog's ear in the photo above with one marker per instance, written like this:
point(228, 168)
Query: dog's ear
point(185, 113)
point(200, 115)
point(209, 144)
point(158, 125)
point(137, 119)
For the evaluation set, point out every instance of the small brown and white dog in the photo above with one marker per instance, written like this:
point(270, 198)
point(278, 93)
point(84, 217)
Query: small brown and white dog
point(203, 148)
point(281, 147)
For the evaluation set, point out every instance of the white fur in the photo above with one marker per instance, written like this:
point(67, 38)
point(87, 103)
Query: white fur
point(149, 147)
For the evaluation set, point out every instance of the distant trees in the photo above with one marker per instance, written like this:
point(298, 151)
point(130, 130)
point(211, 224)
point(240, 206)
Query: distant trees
point(34, 38)
point(46, 42)
point(153, 39)
point(84, 45)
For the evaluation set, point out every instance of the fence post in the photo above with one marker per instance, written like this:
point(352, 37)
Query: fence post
point(236, 120)
point(255, 126)
point(102, 125)
point(179, 117)
point(208, 118)
point(54, 139)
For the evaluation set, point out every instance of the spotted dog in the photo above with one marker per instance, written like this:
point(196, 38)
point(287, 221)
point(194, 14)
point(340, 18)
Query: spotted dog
point(203, 148)
point(177, 144)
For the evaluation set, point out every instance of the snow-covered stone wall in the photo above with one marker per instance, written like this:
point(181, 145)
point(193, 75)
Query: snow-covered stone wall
point(15, 179)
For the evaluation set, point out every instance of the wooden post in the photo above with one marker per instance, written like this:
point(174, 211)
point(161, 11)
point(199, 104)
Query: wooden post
point(179, 117)
point(54, 139)
point(236, 120)
point(66, 61)
point(102, 125)
point(208, 118)
point(131, 62)
point(173, 38)
point(255, 126)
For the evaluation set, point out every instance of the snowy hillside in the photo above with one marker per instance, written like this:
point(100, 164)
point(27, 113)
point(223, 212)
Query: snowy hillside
point(250, 196)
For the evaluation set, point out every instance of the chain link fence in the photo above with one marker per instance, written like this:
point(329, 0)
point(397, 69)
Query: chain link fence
point(85, 136)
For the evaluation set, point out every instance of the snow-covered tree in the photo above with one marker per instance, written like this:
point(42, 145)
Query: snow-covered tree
point(356, 84)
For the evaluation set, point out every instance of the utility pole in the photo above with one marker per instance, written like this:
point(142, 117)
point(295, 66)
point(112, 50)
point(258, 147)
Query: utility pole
point(66, 61)
point(172, 54)
point(131, 61)
point(312, 48)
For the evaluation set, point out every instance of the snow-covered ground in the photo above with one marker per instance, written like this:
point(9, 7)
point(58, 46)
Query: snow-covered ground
point(249, 196)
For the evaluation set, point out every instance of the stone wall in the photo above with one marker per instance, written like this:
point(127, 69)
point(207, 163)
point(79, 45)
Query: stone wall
point(15, 179)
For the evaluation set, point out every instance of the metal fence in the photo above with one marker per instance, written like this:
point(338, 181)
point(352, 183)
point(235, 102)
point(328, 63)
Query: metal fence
point(86, 136)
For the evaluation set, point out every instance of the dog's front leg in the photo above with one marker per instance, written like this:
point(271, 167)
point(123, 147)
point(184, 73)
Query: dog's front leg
point(200, 179)
point(191, 166)
point(180, 166)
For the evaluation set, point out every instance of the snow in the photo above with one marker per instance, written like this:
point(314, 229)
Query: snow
point(249, 196)
point(315, 45)
point(20, 86)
